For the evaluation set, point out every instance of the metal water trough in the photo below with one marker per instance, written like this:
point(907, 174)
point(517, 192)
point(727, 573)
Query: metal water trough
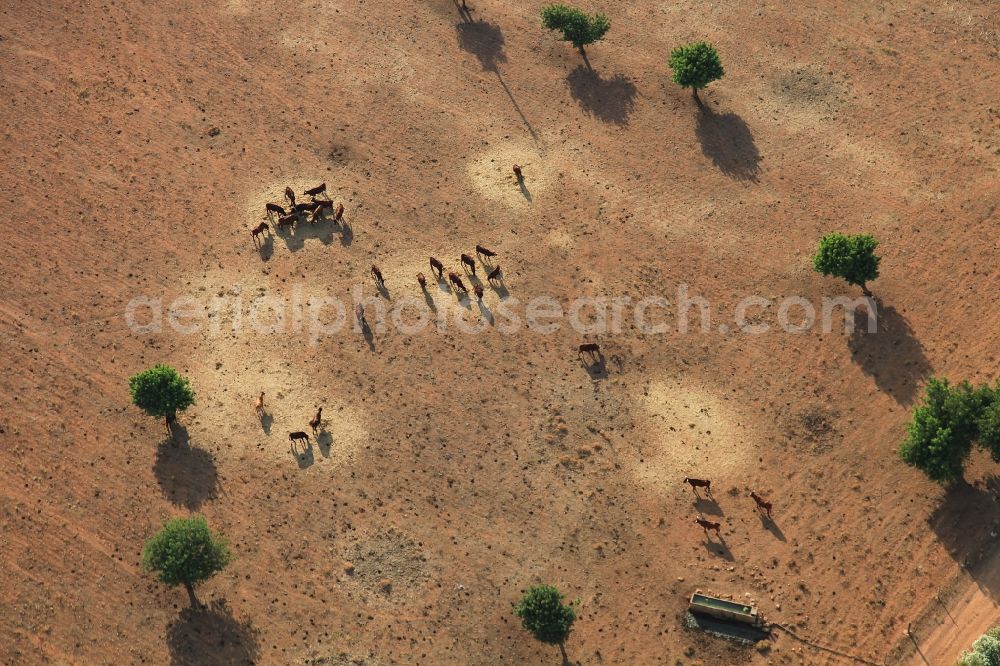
point(724, 609)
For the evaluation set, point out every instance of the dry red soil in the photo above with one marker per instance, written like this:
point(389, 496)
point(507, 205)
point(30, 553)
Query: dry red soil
point(464, 467)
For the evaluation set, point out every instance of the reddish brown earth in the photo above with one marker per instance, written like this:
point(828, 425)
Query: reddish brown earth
point(462, 467)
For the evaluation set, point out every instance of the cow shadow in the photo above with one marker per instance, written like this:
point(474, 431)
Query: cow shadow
point(708, 505)
point(187, 475)
point(296, 238)
point(368, 335)
point(610, 100)
point(266, 421)
point(485, 312)
point(726, 140)
point(324, 440)
point(429, 300)
point(266, 248)
point(382, 290)
point(719, 548)
point(525, 192)
point(346, 234)
point(597, 368)
point(771, 526)
point(211, 635)
point(892, 355)
point(305, 458)
point(963, 525)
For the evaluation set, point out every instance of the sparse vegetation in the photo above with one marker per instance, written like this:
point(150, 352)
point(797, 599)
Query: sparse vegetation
point(161, 392)
point(576, 26)
point(852, 258)
point(185, 552)
point(945, 427)
point(696, 65)
point(544, 614)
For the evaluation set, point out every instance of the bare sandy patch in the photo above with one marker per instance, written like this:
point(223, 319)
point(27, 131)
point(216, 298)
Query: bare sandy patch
point(492, 173)
point(694, 432)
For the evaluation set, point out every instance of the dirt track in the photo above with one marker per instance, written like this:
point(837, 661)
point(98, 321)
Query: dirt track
point(464, 467)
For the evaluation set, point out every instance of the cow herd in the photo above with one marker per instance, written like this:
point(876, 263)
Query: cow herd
point(763, 506)
point(312, 210)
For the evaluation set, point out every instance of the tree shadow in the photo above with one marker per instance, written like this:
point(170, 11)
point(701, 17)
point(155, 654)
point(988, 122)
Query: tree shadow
point(727, 141)
point(187, 475)
point(483, 40)
point(891, 354)
point(964, 523)
point(709, 506)
point(210, 636)
point(609, 100)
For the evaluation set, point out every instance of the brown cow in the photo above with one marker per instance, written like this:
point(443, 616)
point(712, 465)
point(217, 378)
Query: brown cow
point(478, 289)
point(591, 348)
point(287, 221)
point(258, 230)
point(470, 262)
point(313, 191)
point(494, 275)
point(297, 435)
point(421, 280)
point(290, 196)
point(274, 208)
point(306, 206)
point(377, 274)
point(316, 215)
point(437, 266)
point(324, 203)
point(259, 405)
point(762, 504)
point(339, 213)
point(709, 525)
point(483, 252)
point(316, 420)
point(457, 281)
point(699, 483)
point(517, 173)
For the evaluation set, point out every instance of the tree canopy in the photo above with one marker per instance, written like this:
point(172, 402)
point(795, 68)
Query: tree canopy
point(544, 614)
point(160, 391)
point(695, 65)
point(576, 26)
point(852, 258)
point(185, 552)
point(945, 426)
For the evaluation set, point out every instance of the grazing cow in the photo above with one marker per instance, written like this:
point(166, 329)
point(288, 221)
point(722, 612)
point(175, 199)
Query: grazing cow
point(421, 280)
point(709, 525)
point(295, 436)
point(517, 173)
point(313, 191)
point(470, 262)
point(316, 420)
point(274, 208)
point(377, 274)
point(287, 221)
point(483, 252)
point(457, 281)
point(258, 230)
point(359, 312)
point(699, 483)
point(437, 266)
point(258, 406)
point(478, 289)
point(324, 204)
point(290, 196)
point(339, 213)
point(762, 504)
point(316, 215)
point(306, 206)
point(591, 348)
point(494, 275)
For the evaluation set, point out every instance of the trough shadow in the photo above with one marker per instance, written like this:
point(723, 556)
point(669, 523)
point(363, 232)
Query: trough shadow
point(726, 140)
point(963, 523)
point(211, 635)
point(610, 100)
point(892, 355)
point(187, 475)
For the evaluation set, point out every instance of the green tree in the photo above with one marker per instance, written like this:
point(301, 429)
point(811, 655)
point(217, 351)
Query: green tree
point(161, 392)
point(989, 431)
point(544, 614)
point(695, 65)
point(943, 429)
point(852, 258)
point(185, 552)
point(576, 26)
point(989, 648)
